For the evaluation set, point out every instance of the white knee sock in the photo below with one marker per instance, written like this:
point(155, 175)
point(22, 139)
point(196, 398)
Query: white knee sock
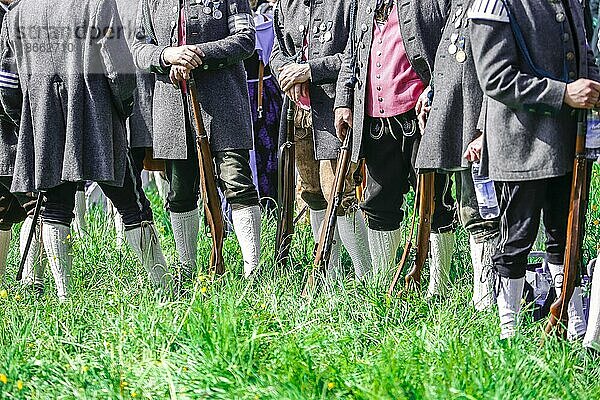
point(483, 281)
point(355, 238)
point(577, 325)
point(4, 248)
point(146, 245)
point(58, 249)
point(509, 305)
point(440, 261)
point(79, 224)
point(383, 246)
point(246, 223)
point(33, 271)
point(185, 230)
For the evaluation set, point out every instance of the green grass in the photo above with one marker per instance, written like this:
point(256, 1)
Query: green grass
point(238, 340)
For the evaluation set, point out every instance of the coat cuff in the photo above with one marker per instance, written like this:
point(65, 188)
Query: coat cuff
point(553, 100)
point(155, 60)
point(344, 98)
point(318, 73)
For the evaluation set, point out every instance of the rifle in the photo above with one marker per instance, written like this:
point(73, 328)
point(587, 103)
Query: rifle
point(426, 192)
point(326, 242)
point(286, 185)
point(286, 191)
point(36, 217)
point(575, 226)
point(208, 183)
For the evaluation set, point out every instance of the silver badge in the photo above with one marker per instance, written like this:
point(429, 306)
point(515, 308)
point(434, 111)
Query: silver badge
point(461, 56)
point(452, 49)
point(217, 14)
point(207, 10)
point(327, 36)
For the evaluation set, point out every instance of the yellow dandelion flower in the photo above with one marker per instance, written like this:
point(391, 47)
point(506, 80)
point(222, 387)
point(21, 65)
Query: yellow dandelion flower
point(3, 378)
point(85, 369)
point(124, 384)
point(18, 297)
point(203, 289)
point(185, 369)
point(134, 394)
point(20, 384)
point(3, 294)
point(330, 385)
point(68, 236)
point(596, 222)
point(594, 207)
point(30, 345)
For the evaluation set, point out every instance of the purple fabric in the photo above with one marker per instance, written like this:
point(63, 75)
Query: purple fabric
point(265, 37)
point(266, 133)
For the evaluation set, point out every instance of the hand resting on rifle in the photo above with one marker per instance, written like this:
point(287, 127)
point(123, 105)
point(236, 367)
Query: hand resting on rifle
point(583, 93)
point(178, 74)
point(292, 74)
point(473, 152)
point(298, 90)
point(343, 122)
point(188, 56)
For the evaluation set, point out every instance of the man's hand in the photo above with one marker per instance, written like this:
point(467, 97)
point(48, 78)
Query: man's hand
point(178, 74)
point(292, 74)
point(343, 122)
point(583, 93)
point(298, 90)
point(423, 108)
point(188, 56)
point(473, 152)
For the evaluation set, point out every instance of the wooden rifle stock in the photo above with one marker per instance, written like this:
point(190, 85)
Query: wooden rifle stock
point(426, 193)
point(208, 183)
point(575, 226)
point(326, 241)
point(286, 191)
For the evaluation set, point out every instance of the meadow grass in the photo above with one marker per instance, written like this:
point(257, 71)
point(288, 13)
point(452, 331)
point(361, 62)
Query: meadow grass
point(234, 339)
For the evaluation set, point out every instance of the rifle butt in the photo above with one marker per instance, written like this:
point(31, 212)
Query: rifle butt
point(558, 311)
point(426, 208)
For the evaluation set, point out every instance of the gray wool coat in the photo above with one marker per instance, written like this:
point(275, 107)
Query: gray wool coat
point(221, 80)
point(328, 27)
point(76, 85)
point(456, 106)
point(8, 131)
point(529, 132)
point(421, 24)
point(139, 125)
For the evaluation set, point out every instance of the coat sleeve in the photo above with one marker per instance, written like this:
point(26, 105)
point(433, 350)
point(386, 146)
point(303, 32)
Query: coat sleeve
point(278, 59)
point(496, 57)
point(11, 95)
point(145, 49)
point(593, 71)
point(325, 69)
point(116, 56)
point(344, 96)
point(240, 43)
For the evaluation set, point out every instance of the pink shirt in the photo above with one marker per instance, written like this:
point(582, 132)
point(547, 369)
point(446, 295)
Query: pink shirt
point(393, 86)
